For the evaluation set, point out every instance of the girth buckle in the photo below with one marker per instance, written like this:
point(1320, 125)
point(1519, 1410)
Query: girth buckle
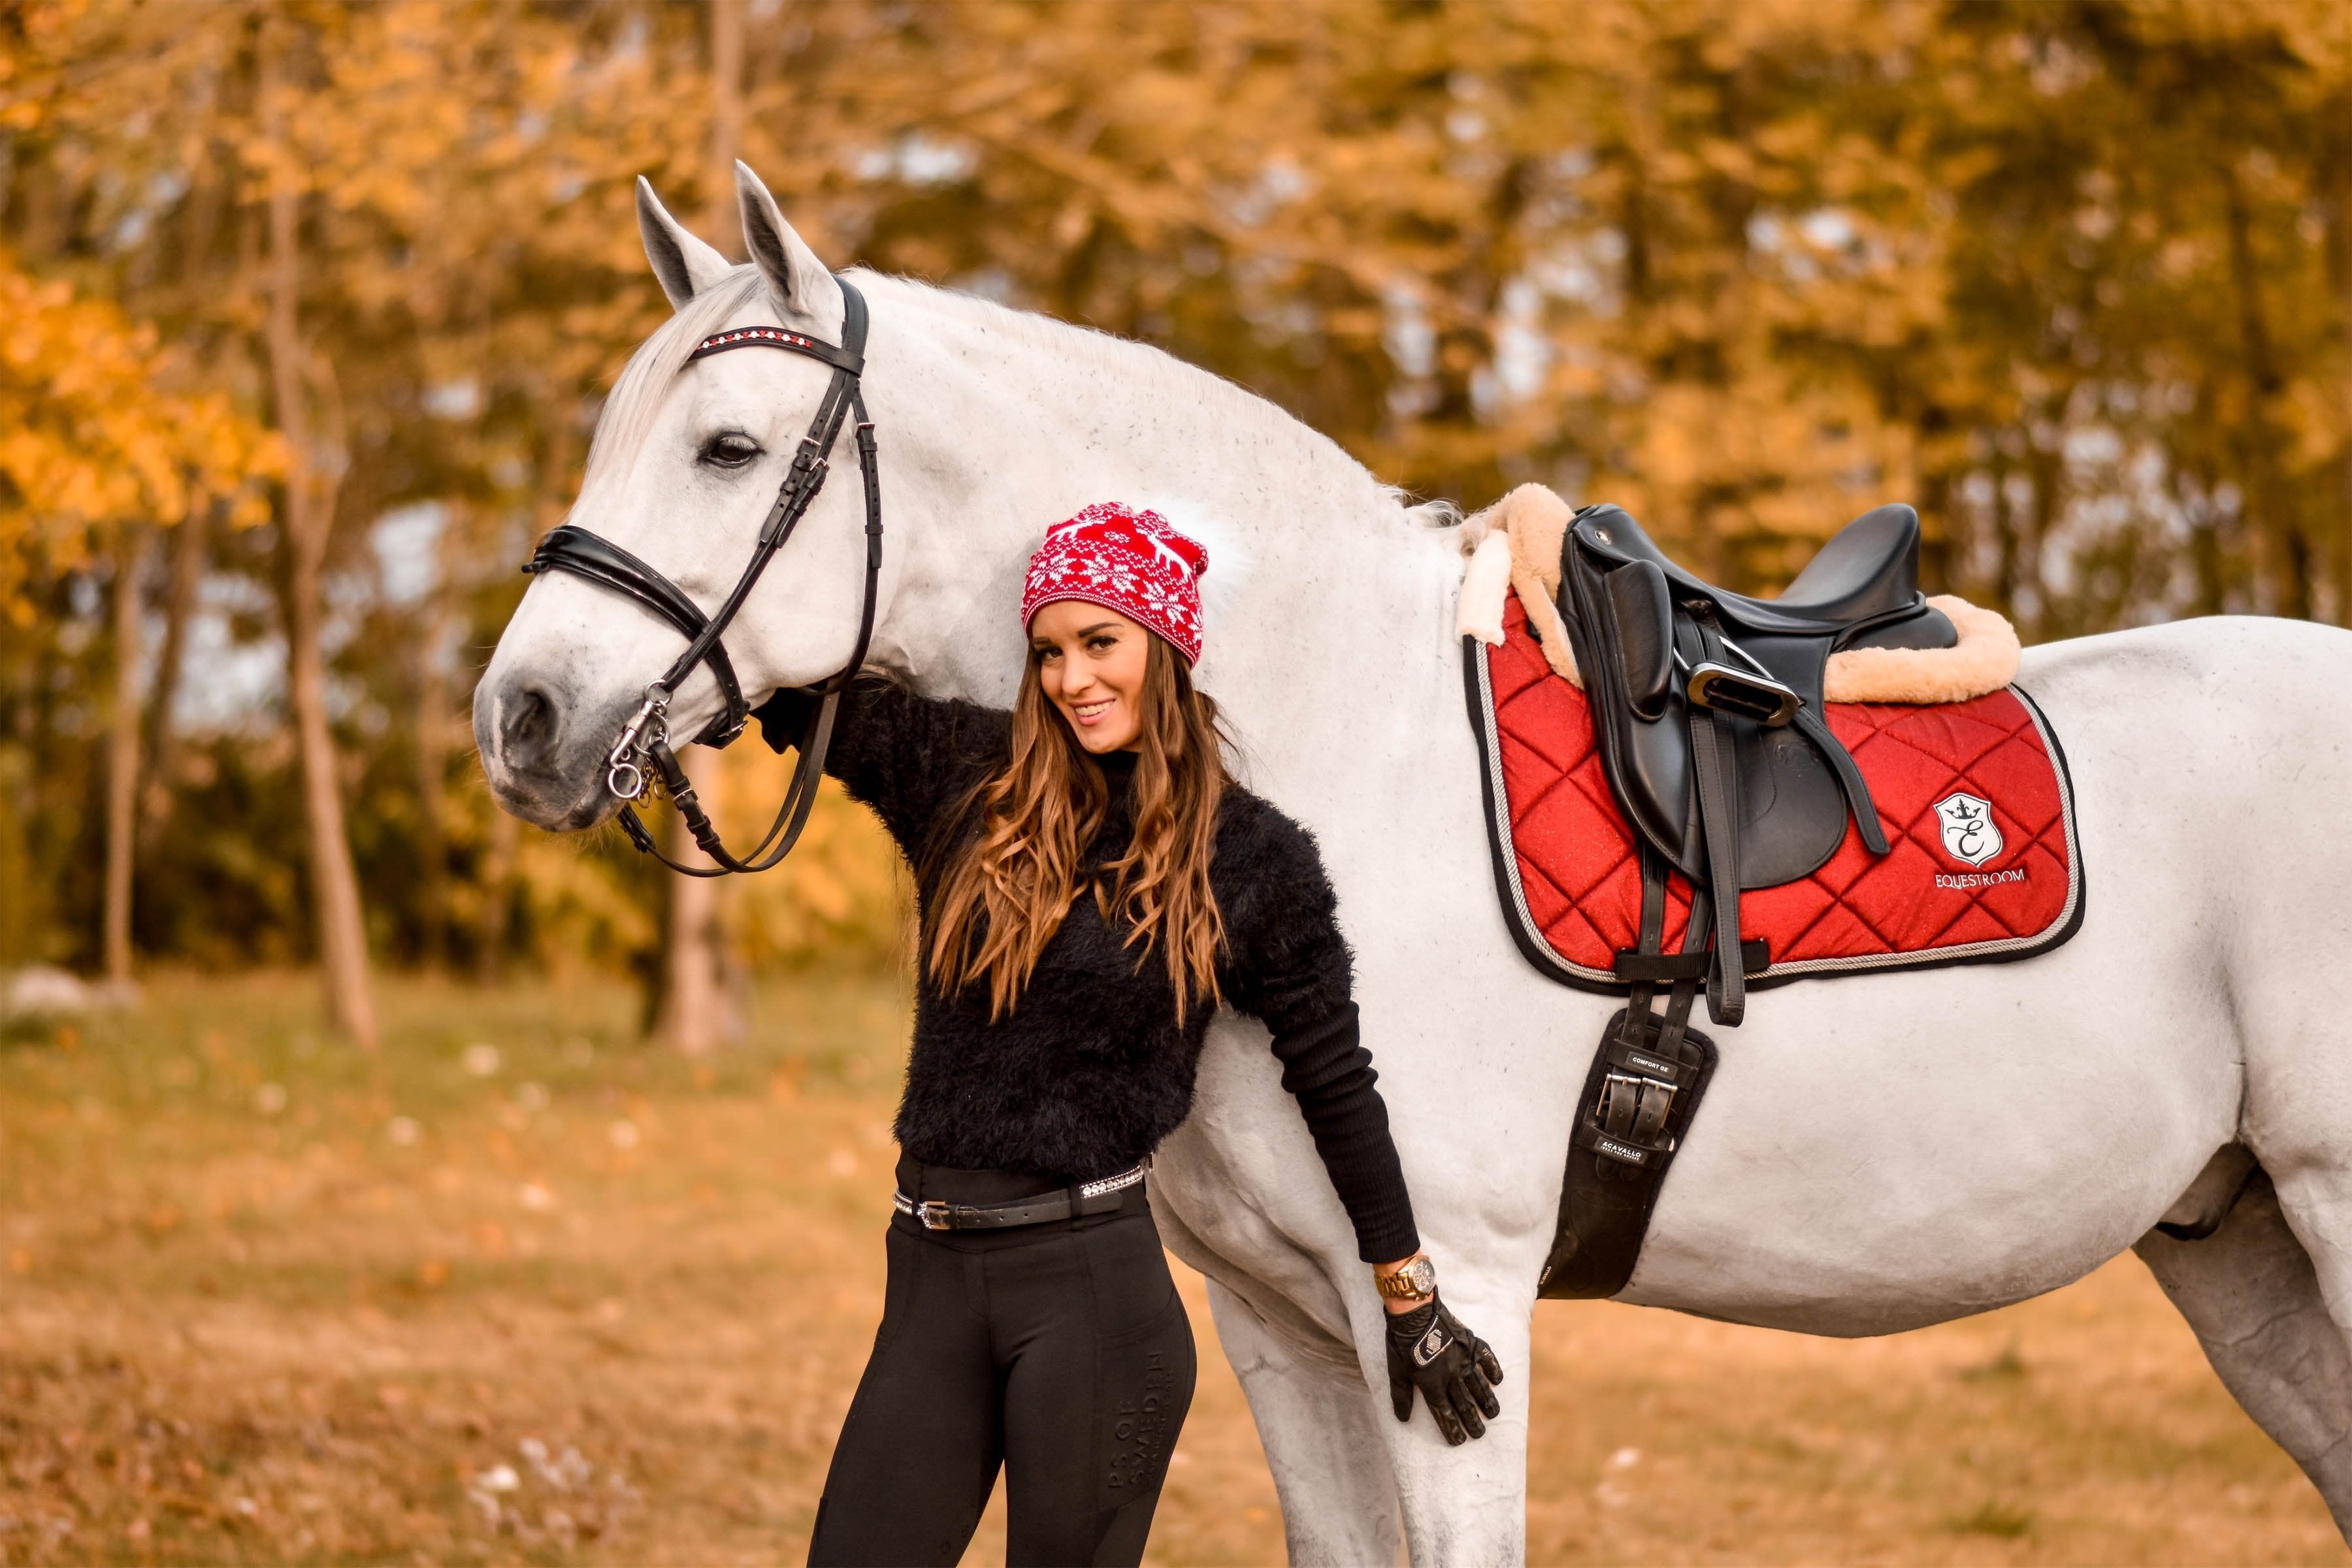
point(1634, 1104)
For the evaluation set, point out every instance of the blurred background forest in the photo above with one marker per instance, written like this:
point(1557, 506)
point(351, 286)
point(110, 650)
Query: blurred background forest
point(305, 309)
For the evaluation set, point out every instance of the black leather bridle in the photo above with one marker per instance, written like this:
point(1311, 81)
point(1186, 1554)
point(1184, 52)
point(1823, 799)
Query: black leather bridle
point(643, 750)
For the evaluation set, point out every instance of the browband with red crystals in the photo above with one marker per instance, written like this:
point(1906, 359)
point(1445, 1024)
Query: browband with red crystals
point(778, 338)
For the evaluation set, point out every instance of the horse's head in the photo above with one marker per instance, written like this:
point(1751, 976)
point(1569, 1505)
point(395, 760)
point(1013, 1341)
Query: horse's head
point(687, 460)
point(992, 424)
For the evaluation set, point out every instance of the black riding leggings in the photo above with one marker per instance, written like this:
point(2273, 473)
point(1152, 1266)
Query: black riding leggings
point(1059, 1351)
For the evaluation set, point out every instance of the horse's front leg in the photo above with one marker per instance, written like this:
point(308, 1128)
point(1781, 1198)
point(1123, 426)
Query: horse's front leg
point(1305, 1331)
point(1467, 1505)
point(1320, 1430)
point(1347, 1470)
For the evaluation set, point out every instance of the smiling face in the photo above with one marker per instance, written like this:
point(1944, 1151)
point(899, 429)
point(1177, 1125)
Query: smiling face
point(1091, 664)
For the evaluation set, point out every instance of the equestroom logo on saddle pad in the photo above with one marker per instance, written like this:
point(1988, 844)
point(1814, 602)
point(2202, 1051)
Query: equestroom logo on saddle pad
point(1968, 830)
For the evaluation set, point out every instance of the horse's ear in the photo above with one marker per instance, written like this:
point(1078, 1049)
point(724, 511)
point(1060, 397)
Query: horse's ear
point(799, 279)
point(684, 264)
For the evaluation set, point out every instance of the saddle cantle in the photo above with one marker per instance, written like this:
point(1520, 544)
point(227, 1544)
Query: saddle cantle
point(1708, 704)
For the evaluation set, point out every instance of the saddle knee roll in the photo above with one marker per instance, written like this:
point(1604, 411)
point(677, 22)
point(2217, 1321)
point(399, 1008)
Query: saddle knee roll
point(1640, 617)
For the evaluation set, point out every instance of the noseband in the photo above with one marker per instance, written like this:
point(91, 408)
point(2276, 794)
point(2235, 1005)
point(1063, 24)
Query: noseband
point(642, 753)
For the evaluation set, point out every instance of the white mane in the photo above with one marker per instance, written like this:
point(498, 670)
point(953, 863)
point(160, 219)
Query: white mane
point(1166, 379)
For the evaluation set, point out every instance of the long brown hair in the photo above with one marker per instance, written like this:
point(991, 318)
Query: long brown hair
point(1007, 886)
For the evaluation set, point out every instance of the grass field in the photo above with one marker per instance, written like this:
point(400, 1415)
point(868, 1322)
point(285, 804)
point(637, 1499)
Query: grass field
point(520, 1288)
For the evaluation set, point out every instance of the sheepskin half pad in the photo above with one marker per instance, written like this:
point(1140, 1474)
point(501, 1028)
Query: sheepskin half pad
point(1954, 889)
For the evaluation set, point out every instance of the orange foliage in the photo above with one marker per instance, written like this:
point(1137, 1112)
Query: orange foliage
point(90, 437)
point(2075, 279)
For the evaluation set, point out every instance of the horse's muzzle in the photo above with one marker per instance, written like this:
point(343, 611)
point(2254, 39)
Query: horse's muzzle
point(540, 749)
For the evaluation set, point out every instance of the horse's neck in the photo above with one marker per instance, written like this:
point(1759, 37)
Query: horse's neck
point(1322, 597)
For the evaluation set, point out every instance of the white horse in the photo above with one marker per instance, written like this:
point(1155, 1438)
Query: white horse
point(1875, 1152)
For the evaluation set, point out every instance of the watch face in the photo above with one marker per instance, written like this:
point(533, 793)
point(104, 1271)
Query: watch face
point(1423, 1276)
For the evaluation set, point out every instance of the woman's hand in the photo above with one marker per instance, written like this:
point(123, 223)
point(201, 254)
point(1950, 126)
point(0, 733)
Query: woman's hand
point(1454, 1369)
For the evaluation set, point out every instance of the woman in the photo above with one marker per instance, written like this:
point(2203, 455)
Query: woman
point(1092, 886)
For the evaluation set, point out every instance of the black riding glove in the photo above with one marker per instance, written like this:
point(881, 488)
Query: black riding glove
point(1430, 1350)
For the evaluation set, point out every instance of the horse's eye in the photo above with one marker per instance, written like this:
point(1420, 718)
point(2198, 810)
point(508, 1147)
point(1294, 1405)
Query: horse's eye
point(730, 450)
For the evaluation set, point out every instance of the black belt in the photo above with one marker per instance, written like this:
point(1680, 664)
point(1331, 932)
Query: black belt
point(1073, 1202)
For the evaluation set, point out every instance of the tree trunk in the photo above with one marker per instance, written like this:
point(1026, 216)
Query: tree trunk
point(2280, 563)
point(432, 772)
point(163, 742)
point(310, 513)
point(691, 1016)
point(726, 110)
point(122, 756)
point(690, 1019)
point(2339, 257)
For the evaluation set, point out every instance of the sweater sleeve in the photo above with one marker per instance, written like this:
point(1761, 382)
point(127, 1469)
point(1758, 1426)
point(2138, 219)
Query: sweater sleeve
point(1288, 966)
point(911, 758)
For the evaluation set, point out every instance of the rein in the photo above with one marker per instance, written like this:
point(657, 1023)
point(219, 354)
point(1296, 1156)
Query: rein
point(642, 753)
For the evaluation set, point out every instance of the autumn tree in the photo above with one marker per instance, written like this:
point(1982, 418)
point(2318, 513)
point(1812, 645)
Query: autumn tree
point(97, 451)
point(2076, 278)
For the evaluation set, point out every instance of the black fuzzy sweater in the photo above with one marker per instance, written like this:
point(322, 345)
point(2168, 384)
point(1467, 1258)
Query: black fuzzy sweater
point(1089, 1070)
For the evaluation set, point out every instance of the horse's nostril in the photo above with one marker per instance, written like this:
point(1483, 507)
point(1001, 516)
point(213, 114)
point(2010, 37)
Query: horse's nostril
point(530, 722)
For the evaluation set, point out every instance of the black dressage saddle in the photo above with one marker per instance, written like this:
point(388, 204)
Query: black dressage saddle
point(1707, 711)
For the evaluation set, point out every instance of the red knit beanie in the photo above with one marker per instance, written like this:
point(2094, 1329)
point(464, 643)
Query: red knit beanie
point(1124, 560)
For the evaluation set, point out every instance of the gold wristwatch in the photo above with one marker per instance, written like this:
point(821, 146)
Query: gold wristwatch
point(1416, 1281)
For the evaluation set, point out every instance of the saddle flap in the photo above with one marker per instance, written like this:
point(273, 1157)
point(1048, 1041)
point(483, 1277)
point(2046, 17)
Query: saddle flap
point(1641, 616)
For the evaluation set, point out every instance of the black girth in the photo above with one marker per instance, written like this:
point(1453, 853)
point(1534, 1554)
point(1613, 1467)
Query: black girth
point(642, 750)
point(1639, 1097)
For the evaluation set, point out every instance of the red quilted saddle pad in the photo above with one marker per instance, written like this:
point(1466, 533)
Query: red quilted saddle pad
point(1973, 797)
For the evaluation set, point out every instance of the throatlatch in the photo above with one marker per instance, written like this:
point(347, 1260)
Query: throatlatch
point(642, 753)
